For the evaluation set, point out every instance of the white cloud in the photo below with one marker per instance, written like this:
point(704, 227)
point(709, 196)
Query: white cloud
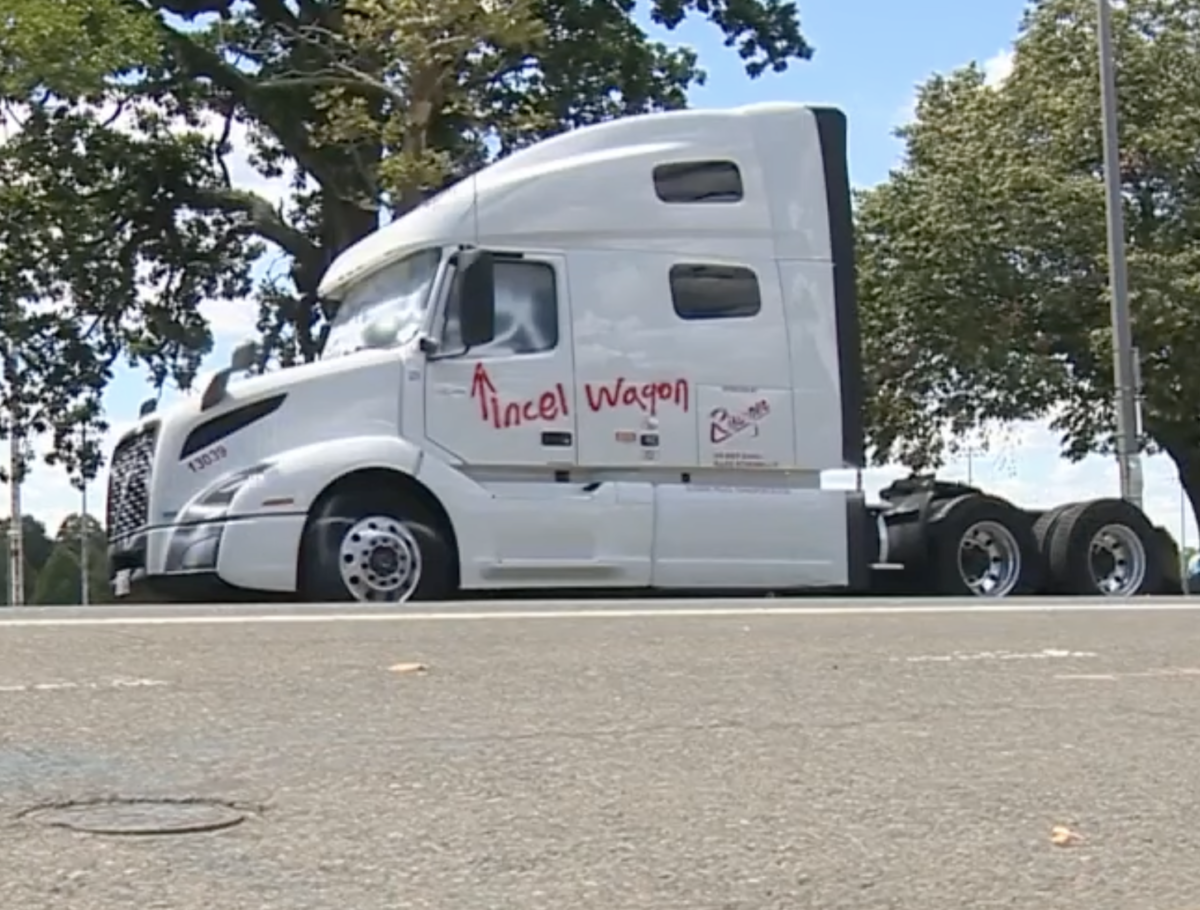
point(998, 67)
point(231, 319)
point(906, 113)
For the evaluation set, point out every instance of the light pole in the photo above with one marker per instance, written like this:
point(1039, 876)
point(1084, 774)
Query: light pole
point(1128, 459)
point(84, 593)
point(16, 473)
point(16, 537)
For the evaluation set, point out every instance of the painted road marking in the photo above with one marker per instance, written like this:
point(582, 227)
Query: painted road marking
point(88, 686)
point(956, 656)
point(600, 610)
point(1162, 673)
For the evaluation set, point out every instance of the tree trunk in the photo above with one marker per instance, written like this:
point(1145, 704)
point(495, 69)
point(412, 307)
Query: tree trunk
point(1182, 445)
point(343, 224)
point(1189, 477)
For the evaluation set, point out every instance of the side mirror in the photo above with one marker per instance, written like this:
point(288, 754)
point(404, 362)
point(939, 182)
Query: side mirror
point(476, 290)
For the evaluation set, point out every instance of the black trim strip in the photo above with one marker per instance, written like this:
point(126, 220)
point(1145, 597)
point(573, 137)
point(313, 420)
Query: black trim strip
point(832, 134)
point(217, 428)
point(862, 544)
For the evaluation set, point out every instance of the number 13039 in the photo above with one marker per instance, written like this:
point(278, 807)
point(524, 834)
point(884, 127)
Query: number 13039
point(206, 460)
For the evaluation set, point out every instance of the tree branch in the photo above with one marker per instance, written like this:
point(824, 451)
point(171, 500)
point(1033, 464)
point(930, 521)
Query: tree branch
point(260, 215)
point(290, 132)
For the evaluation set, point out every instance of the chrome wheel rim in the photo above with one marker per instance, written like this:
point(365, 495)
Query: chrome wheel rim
point(1117, 561)
point(989, 559)
point(380, 560)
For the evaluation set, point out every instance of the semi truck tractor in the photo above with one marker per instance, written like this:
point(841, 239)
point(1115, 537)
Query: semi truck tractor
point(618, 360)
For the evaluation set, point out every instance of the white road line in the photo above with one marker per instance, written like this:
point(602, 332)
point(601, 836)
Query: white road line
point(600, 611)
point(75, 686)
point(960, 656)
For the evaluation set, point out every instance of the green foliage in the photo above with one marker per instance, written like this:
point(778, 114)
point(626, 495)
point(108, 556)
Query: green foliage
point(58, 584)
point(102, 260)
point(69, 47)
point(983, 258)
point(52, 575)
point(121, 214)
point(37, 551)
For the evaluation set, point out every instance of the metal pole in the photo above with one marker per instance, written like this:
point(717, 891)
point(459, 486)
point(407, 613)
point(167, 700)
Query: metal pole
point(16, 453)
point(1183, 560)
point(1128, 461)
point(84, 593)
point(16, 537)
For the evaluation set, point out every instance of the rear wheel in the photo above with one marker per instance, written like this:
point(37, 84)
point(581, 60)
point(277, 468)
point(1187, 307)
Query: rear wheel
point(981, 546)
point(1045, 524)
point(1105, 547)
point(360, 546)
point(1043, 533)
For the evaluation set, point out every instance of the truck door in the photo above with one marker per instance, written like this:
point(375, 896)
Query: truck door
point(512, 401)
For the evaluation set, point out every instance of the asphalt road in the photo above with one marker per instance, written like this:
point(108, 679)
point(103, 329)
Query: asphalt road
point(610, 757)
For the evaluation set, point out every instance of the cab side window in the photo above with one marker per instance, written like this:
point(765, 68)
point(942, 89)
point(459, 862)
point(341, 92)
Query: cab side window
point(526, 311)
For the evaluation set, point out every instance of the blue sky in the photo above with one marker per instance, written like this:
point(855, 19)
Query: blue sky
point(870, 56)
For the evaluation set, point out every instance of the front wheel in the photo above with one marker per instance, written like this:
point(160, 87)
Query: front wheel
point(372, 549)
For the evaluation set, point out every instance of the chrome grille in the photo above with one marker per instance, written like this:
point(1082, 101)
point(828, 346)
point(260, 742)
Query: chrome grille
point(129, 483)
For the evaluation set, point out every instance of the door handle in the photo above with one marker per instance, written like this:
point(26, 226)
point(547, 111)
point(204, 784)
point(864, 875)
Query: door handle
point(556, 438)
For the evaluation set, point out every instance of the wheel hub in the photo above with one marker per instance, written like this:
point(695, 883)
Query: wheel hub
point(989, 559)
point(384, 560)
point(380, 560)
point(1117, 561)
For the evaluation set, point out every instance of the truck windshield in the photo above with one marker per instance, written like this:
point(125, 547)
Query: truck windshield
point(386, 308)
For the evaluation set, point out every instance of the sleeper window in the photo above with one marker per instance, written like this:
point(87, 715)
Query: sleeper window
point(698, 182)
point(714, 292)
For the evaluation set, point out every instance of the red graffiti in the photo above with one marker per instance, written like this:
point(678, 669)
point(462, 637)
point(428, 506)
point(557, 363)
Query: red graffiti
point(548, 406)
point(646, 396)
point(724, 425)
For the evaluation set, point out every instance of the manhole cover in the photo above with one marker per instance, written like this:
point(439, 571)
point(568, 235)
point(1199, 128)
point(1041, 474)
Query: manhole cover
point(139, 816)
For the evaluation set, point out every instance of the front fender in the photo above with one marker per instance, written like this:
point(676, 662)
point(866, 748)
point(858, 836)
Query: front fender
point(297, 476)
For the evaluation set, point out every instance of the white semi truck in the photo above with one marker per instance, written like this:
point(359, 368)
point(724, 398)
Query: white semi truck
point(617, 360)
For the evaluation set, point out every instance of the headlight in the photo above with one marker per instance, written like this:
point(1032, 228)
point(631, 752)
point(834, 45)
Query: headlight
point(196, 542)
point(214, 502)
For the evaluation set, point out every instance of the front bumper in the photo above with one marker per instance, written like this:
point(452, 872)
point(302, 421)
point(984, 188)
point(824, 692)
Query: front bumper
point(193, 588)
point(251, 553)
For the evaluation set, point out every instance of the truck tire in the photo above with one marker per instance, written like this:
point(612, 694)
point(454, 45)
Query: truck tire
point(360, 546)
point(1043, 532)
point(1170, 572)
point(1044, 527)
point(982, 546)
point(1105, 548)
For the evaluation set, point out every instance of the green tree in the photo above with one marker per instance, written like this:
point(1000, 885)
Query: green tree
point(58, 584)
point(983, 257)
point(60, 581)
point(121, 214)
point(37, 552)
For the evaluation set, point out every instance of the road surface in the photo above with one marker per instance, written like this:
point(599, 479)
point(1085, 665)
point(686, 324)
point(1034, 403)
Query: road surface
point(636, 756)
